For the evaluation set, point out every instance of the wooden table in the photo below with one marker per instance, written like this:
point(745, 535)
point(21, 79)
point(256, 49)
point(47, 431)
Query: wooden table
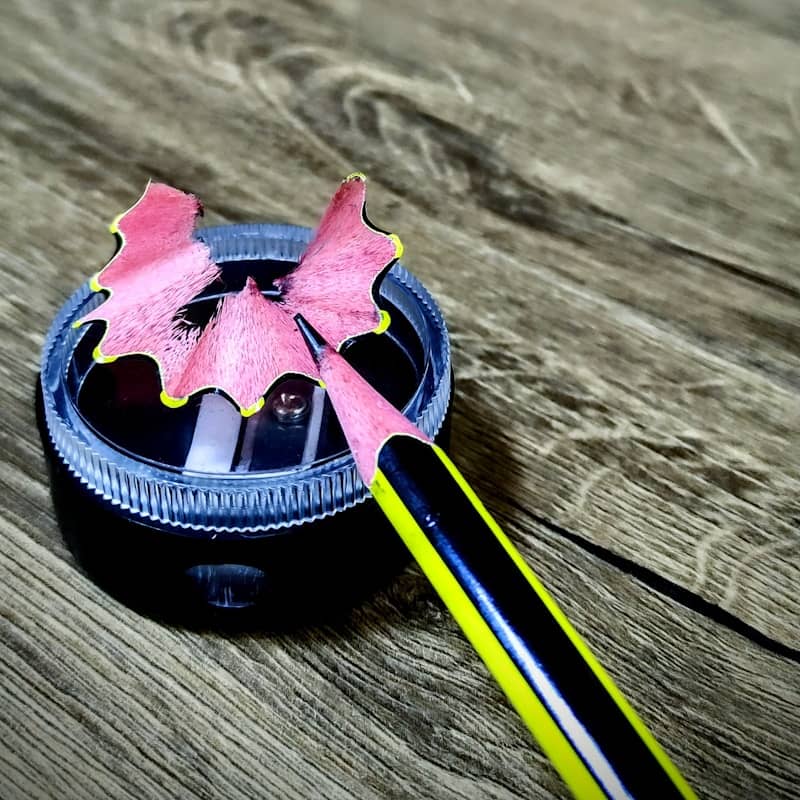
point(603, 197)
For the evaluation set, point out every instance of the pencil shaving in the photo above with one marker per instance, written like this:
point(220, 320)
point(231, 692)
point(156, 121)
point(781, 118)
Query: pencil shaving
point(250, 341)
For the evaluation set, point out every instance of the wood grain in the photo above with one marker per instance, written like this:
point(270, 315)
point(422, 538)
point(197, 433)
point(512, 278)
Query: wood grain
point(602, 196)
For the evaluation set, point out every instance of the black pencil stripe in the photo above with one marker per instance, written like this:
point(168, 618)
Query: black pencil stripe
point(521, 621)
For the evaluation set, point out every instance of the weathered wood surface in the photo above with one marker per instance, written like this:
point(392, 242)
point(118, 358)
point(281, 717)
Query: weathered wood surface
point(603, 197)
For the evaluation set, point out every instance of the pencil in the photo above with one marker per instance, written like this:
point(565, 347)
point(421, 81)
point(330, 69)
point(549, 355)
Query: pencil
point(582, 722)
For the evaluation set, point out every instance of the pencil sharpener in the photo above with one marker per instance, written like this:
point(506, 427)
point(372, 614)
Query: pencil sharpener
point(199, 515)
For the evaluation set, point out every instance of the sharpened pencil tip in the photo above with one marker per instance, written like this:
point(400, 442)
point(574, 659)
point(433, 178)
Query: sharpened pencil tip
point(316, 344)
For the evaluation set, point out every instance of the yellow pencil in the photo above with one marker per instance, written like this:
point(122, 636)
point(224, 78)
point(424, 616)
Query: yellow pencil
point(589, 731)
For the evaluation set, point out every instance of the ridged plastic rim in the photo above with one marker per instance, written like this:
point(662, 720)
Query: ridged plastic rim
point(237, 504)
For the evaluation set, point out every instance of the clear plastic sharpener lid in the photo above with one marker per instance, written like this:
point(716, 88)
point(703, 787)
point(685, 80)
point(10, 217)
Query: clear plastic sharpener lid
point(203, 467)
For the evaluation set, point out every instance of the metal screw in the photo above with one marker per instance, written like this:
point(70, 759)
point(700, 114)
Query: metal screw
point(289, 407)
